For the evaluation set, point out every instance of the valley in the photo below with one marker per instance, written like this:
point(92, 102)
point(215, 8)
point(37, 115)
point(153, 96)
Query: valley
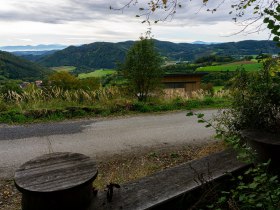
point(87, 80)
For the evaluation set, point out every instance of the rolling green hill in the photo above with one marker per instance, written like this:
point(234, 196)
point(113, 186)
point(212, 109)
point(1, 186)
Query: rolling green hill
point(13, 67)
point(96, 55)
point(106, 55)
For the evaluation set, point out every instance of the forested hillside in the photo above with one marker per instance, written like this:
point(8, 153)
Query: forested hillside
point(106, 55)
point(13, 67)
point(95, 55)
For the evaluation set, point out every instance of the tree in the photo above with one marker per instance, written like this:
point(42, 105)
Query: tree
point(90, 83)
point(10, 86)
point(67, 81)
point(63, 80)
point(142, 68)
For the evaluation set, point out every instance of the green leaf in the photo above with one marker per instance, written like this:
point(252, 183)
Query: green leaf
point(276, 39)
point(253, 185)
point(189, 114)
point(218, 136)
point(259, 205)
point(266, 20)
point(273, 178)
point(208, 125)
point(200, 115)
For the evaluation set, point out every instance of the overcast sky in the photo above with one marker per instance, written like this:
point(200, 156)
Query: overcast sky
point(73, 22)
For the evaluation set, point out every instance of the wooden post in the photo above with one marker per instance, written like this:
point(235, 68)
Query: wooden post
point(56, 181)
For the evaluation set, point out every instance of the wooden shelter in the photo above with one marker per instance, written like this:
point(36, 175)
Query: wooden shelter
point(185, 82)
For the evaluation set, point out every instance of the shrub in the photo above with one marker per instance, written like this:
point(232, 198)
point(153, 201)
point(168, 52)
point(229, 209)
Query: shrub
point(208, 101)
point(256, 99)
point(255, 189)
point(141, 107)
point(12, 116)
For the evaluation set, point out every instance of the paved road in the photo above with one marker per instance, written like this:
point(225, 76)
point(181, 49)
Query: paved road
point(97, 137)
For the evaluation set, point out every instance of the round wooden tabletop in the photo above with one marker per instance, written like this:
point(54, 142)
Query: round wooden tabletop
point(55, 172)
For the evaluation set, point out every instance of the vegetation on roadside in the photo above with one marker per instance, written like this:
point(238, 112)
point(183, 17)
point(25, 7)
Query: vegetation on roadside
point(34, 104)
point(255, 105)
point(254, 189)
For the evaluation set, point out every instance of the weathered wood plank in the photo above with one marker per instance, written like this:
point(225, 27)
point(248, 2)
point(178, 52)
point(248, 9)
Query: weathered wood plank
point(168, 184)
point(56, 181)
point(55, 172)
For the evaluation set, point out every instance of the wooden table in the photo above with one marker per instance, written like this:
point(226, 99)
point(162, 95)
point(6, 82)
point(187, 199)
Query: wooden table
point(56, 181)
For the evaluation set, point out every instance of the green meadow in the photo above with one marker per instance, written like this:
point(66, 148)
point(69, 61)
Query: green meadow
point(247, 65)
point(64, 68)
point(97, 73)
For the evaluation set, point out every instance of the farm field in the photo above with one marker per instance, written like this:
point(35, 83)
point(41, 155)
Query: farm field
point(247, 65)
point(64, 68)
point(97, 73)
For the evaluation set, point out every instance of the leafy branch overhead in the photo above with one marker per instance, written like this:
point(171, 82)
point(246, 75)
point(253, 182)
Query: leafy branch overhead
point(246, 12)
point(273, 22)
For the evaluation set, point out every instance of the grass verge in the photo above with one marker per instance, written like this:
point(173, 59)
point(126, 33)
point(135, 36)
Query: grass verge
point(112, 108)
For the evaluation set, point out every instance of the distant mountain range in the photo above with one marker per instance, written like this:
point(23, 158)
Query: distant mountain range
point(40, 47)
point(106, 55)
point(202, 42)
point(35, 49)
point(33, 55)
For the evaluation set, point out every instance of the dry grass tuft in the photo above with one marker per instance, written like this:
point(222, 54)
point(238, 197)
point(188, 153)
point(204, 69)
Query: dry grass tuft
point(124, 168)
point(10, 198)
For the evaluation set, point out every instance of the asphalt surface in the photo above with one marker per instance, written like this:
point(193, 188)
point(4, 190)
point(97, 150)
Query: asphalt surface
point(19, 144)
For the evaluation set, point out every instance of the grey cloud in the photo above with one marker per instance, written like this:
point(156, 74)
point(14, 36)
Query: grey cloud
point(42, 12)
point(94, 10)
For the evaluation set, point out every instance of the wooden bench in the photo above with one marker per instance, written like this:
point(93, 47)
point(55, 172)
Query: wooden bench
point(56, 181)
point(173, 188)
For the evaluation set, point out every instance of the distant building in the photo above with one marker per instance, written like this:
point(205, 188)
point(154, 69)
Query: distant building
point(186, 82)
point(182, 62)
point(38, 83)
point(24, 84)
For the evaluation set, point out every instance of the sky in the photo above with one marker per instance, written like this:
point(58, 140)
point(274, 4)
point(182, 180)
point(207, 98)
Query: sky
point(75, 22)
